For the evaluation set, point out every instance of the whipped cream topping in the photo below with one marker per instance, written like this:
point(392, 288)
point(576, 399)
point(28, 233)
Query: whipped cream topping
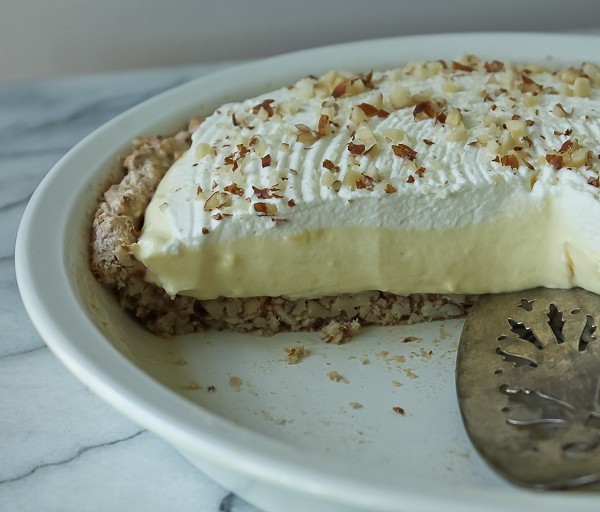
point(388, 180)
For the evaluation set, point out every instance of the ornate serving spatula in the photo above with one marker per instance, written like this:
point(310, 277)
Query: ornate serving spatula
point(528, 383)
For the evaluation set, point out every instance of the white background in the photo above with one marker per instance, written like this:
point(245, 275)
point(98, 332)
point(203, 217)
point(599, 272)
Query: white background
point(54, 37)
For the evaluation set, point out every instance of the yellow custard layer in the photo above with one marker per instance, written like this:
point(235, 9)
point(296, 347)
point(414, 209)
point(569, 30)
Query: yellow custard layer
point(509, 254)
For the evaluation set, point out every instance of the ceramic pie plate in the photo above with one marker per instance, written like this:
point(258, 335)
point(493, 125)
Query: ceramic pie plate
point(370, 425)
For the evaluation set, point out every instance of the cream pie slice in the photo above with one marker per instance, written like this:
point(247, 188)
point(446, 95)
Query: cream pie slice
point(413, 190)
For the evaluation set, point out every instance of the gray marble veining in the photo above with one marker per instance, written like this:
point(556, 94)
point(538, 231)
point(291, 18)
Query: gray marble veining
point(62, 448)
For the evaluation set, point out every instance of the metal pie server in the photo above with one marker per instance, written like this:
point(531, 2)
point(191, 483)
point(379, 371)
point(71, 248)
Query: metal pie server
point(528, 384)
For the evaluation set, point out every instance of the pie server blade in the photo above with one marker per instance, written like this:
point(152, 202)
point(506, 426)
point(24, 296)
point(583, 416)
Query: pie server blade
point(527, 378)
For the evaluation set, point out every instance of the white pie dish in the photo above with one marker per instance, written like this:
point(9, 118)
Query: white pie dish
point(284, 437)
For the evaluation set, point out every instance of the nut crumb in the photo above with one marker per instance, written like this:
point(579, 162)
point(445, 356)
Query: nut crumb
point(404, 151)
point(294, 354)
point(337, 377)
point(193, 385)
point(409, 373)
point(560, 111)
point(425, 353)
point(555, 161)
point(339, 333)
point(399, 410)
point(235, 382)
point(408, 339)
point(355, 405)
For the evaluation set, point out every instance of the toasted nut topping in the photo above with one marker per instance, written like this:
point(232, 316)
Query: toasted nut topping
point(580, 157)
point(217, 200)
point(516, 127)
point(595, 182)
point(529, 85)
point(559, 111)
point(366, 182)
point(582, 87)
point(306, 136)
point(372, 111)
point(555, 161)
point(454, 117)
point(592, 71)
point(329, 165)
point(568, 75)
point(265, 209)
point(352, 178)
point(327, 179)
point(510, 161)
point(266, 106)
point(393, 134)
point(404, 151)
point(356, 149)
point(234, 189)
point(424, 110)
point(324, 126)
point(450, 86)
point(458, 66)
point(266, 161)
point(233, 158)
point(399, 97)
point(267, 193)
point(494, 66)
point(340, 89)
point(357, 116)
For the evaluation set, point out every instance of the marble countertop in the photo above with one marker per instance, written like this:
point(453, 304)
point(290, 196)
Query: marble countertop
point(63, 448)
